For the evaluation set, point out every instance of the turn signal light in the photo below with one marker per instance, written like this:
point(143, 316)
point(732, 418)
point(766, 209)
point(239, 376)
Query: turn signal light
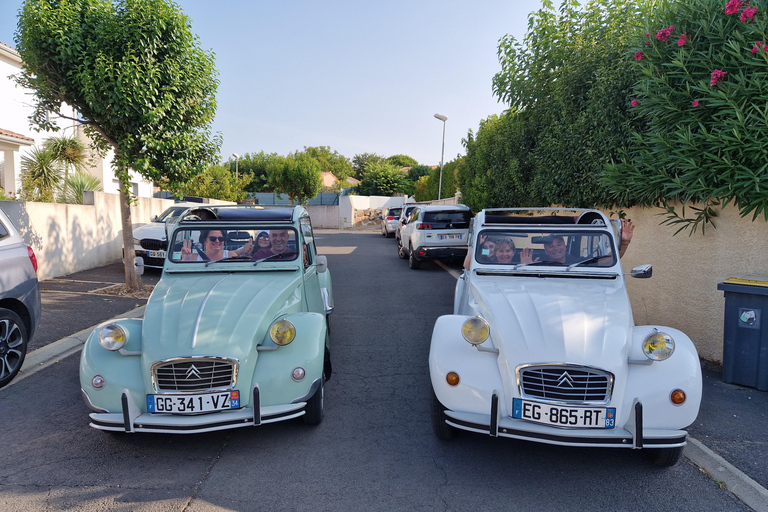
point(677, 397)
point(452, 379)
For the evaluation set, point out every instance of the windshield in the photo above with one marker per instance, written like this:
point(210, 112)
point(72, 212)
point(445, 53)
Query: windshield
point(542, 247)
point(171, 213)
point(234, 244)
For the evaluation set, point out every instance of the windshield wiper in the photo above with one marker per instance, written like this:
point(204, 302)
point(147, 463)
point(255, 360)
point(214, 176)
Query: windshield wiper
point(593, 259)
point(534, 263)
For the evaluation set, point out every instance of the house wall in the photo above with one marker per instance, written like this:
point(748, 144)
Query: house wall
point(687, 269)
point(324, 216)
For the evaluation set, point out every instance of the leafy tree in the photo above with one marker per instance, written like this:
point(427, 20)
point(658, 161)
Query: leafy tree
point(217, 182)
point(566, 85)
point(428, 188)
point(701, 113)
point(360, 163)
point(420, 192)
point(255, 166)
point(296, 175)
point(138, 79)
point(417, 171)
point(381, 179)
point(402, 161)
point(69, 151)
point(77, 183)
point(331, 161)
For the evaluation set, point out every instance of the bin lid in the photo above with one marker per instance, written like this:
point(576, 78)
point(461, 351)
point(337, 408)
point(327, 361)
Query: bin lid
point(751, 279)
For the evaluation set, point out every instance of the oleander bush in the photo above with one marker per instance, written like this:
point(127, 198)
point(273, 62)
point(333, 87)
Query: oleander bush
point(702, 107)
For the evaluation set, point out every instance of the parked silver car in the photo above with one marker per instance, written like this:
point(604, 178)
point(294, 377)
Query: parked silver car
point(19, 299)
point(389, 220)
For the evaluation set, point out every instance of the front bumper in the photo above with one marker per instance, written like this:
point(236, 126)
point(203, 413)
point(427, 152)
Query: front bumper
point(440, 253)
point(632, 435)
point(133, 419)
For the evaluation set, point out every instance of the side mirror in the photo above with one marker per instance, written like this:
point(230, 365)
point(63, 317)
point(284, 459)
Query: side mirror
point(642, 272)
point(154, 218)
point(321, 263)
point(138, 261)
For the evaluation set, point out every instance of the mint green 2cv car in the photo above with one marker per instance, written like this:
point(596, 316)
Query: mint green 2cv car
point(235, 333)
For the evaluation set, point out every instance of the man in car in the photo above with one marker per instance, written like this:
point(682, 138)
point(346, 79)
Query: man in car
point(278, 250)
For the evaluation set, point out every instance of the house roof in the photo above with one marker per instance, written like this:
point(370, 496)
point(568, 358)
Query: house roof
point(17, 138)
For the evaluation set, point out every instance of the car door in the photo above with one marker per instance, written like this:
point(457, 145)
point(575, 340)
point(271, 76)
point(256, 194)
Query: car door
point(312, 293)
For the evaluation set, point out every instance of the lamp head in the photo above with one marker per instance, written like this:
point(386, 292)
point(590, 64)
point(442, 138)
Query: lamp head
point(441, 117)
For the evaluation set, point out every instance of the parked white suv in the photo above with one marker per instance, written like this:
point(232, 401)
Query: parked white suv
point(433, 232)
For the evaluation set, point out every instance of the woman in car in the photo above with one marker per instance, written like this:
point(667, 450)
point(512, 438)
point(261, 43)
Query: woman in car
point(505, 250)
point(213, 247)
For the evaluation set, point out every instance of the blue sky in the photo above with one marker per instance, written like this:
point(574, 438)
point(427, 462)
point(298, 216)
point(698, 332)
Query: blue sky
point(358, 76)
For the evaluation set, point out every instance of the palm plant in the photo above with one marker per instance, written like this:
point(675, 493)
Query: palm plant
point(41, 175)
point(76, 184)
point(70, 152)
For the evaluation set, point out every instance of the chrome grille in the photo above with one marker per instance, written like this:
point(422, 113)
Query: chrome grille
point(194, 374)
point(565, 384)
point(154, 245)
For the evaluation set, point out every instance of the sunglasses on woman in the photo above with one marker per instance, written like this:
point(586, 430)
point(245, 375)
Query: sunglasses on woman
point(263, 237)
point(216, 239)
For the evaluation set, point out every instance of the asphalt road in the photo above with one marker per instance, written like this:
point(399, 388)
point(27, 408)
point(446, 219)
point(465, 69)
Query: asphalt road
point(375, 449)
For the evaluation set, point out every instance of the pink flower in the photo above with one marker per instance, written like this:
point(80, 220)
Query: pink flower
point(695, 103)
point(634, 102)
point(683, 39)
point(638, 55)
point(733, 6)
point(717, 75)
point(748, 13)
point(663, 34)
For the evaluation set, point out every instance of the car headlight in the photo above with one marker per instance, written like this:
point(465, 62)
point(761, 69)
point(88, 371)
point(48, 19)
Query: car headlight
point(658, 346)
point(112, 337)
point(282, 332)
point(136, 241)
point(475, 330)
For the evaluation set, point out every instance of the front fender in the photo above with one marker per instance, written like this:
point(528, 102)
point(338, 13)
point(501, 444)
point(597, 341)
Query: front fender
point(274, 367)
point(120, 369)
point(653, 382)
point(478, 371)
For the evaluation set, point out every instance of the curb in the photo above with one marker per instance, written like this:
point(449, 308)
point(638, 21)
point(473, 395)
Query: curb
point(54, 352)
point(720, 470)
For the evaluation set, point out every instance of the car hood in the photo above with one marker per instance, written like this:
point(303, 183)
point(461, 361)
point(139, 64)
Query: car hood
point(216, 313)
point(539, 320)
point(152, 231)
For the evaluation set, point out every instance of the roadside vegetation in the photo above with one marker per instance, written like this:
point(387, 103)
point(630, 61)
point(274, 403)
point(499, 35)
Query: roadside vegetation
point(616, 103)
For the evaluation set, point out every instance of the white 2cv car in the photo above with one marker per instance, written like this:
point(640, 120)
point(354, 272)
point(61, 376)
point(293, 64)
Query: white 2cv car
point(542, 345)
point(234, 335)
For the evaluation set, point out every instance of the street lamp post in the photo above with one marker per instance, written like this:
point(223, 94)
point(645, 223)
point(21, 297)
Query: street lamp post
point(237, 167)
point(442, 154)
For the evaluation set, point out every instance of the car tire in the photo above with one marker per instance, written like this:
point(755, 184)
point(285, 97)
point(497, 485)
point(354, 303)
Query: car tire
point(412, 261)
point(442, 430)
point(390, 235)
point(664, 457)
point(327, 367)
point(314, 410)
point(13, 345)
point(400, 251)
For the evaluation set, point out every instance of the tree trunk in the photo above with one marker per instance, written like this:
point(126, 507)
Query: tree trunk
point(132, 280)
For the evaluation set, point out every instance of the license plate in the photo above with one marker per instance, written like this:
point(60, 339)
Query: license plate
point(156, 254)
point(450, 237)
point(194, 404)
point(559, 416)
